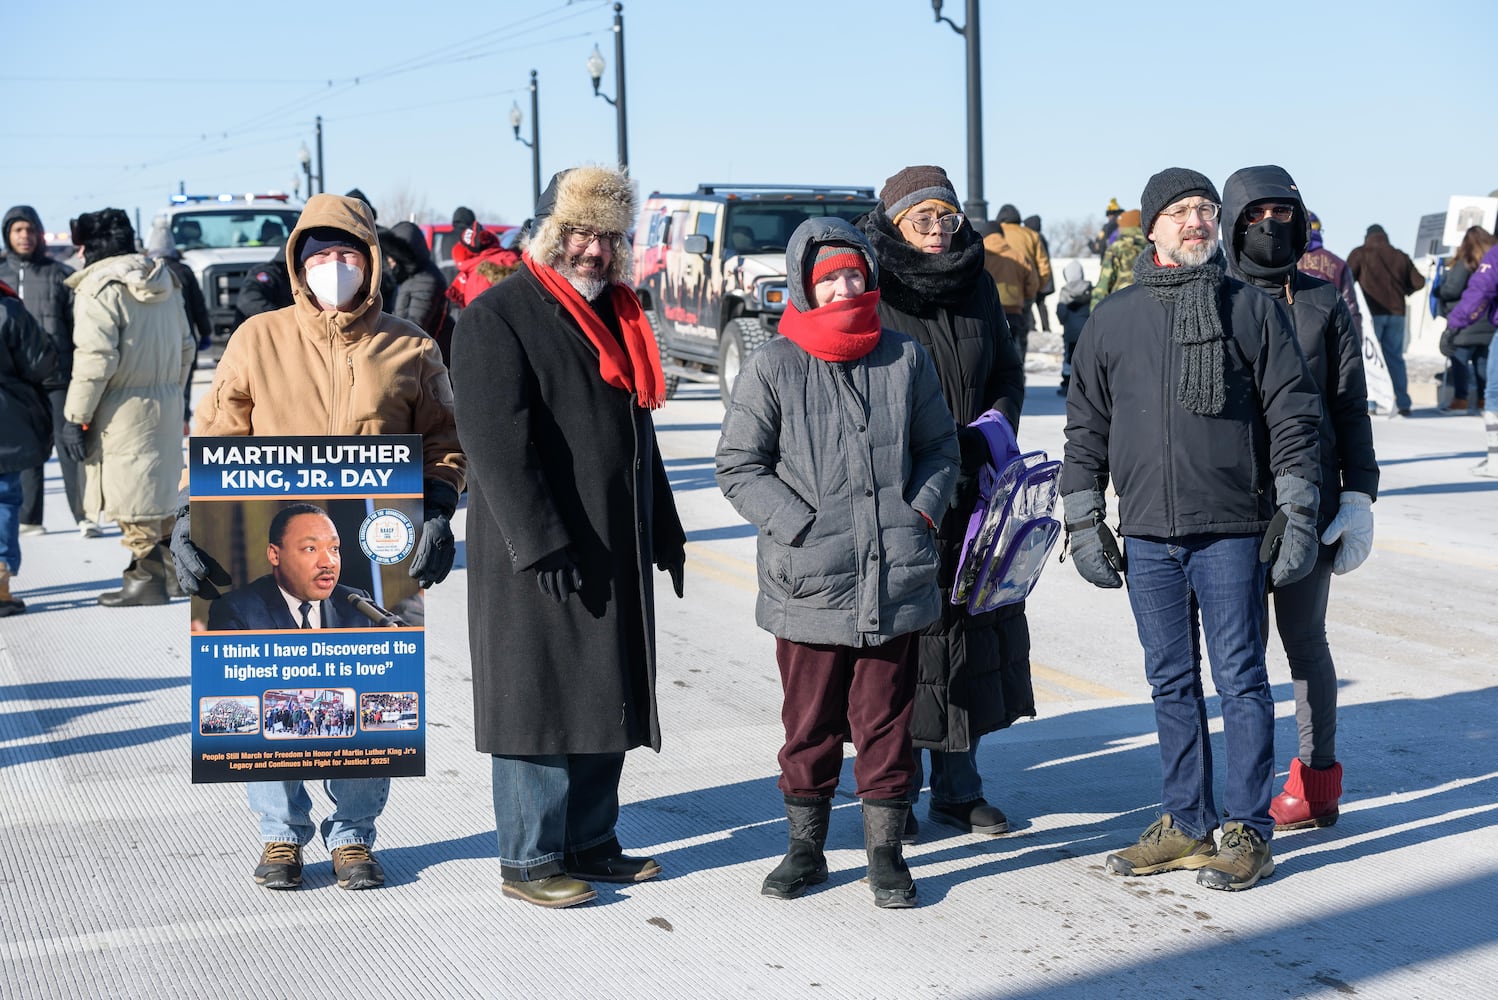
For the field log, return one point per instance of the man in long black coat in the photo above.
(554, 375)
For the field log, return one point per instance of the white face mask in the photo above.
(334, 283)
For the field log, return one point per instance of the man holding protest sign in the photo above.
(333, 363)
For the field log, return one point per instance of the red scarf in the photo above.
(844, 330)
(637, 365)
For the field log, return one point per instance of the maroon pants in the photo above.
(832, 692)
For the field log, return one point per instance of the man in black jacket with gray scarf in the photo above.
(1189, 391)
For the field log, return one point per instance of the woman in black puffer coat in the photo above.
(974, 670)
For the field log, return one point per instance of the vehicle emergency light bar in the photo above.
(182, 199)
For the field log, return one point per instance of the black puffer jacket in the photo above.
(1323, 329)
(38, 280)
(1177, 472)
(974, 671)
(421, 290)
(28, 363)
(1478, 333)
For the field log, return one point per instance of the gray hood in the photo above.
(810, 236)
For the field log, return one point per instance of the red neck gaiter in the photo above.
(844, 330)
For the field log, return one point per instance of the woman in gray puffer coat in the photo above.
(839, 448)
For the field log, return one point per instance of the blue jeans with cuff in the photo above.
(549, 807)
(285, 811)
(1182, 589)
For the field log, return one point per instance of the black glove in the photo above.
(197, 572)
(558, 576)
(676, 565)
(974, 447)
(71, 443)
(1291, 544)
(1094, 550)
(435, 552)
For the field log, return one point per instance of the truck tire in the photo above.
(740, 338)
(673, 382)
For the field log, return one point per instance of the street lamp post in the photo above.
(535, 140)
(322, 178)
(975, 207)
(306, 161)
(595, 70)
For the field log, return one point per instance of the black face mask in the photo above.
(1267, 243)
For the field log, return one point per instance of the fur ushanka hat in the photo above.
(590, 198)
(103, 234)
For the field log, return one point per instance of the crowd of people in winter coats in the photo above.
(851, 442)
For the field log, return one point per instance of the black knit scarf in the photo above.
(916, 282)
(1196, 326)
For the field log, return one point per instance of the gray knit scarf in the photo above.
(1196, 325)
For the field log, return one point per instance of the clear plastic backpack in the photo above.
(1011, 530)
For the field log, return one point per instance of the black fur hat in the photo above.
(103, 234)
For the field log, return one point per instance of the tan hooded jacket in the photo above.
(133, 353)
(303, 371)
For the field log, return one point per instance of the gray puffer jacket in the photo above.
(836, 463)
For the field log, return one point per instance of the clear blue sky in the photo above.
(113, 104)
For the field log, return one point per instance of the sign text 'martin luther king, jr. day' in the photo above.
(308, 639)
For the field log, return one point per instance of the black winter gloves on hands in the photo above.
(1291, 544)
(974, 448)
(198, 573)
(676, 565)
(71, 443)
(1094, 550)
(437, 548)
(558, 576)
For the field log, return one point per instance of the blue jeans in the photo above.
(10, 520)
(285, 810)
(954, 776)
(1390, 333)
(549, 807)
(1179, 590)
(1476, 357)
(1492, 373)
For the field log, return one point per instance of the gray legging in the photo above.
(1300, 615)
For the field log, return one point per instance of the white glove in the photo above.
(1354, 526)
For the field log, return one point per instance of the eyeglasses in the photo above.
(1280, 213)
(924, 224)
(580, 239)
(1206, 211)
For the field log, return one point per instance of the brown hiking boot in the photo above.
(280, 866)
(1161, 848)
(356, 868)
(1242, 860)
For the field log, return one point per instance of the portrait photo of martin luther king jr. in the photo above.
(302, 590)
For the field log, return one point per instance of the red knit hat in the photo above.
(834, 257)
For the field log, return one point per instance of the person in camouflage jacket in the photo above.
(1118, 259)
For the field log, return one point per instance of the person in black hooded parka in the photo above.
(421, 290)
(974, 670)
(1270, 232)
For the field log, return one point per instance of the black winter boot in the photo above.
(804, 863)
(144, 583)
(889, 876)
(169, 567)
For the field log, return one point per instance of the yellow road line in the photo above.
(1059, 678)
(1441, 553)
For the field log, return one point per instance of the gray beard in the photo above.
(588, 288)
(1192, 258)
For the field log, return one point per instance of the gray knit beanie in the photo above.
(1170, 186)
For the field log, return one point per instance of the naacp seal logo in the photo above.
(387, 536)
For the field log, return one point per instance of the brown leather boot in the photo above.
(1309, 799)
(9, 604)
